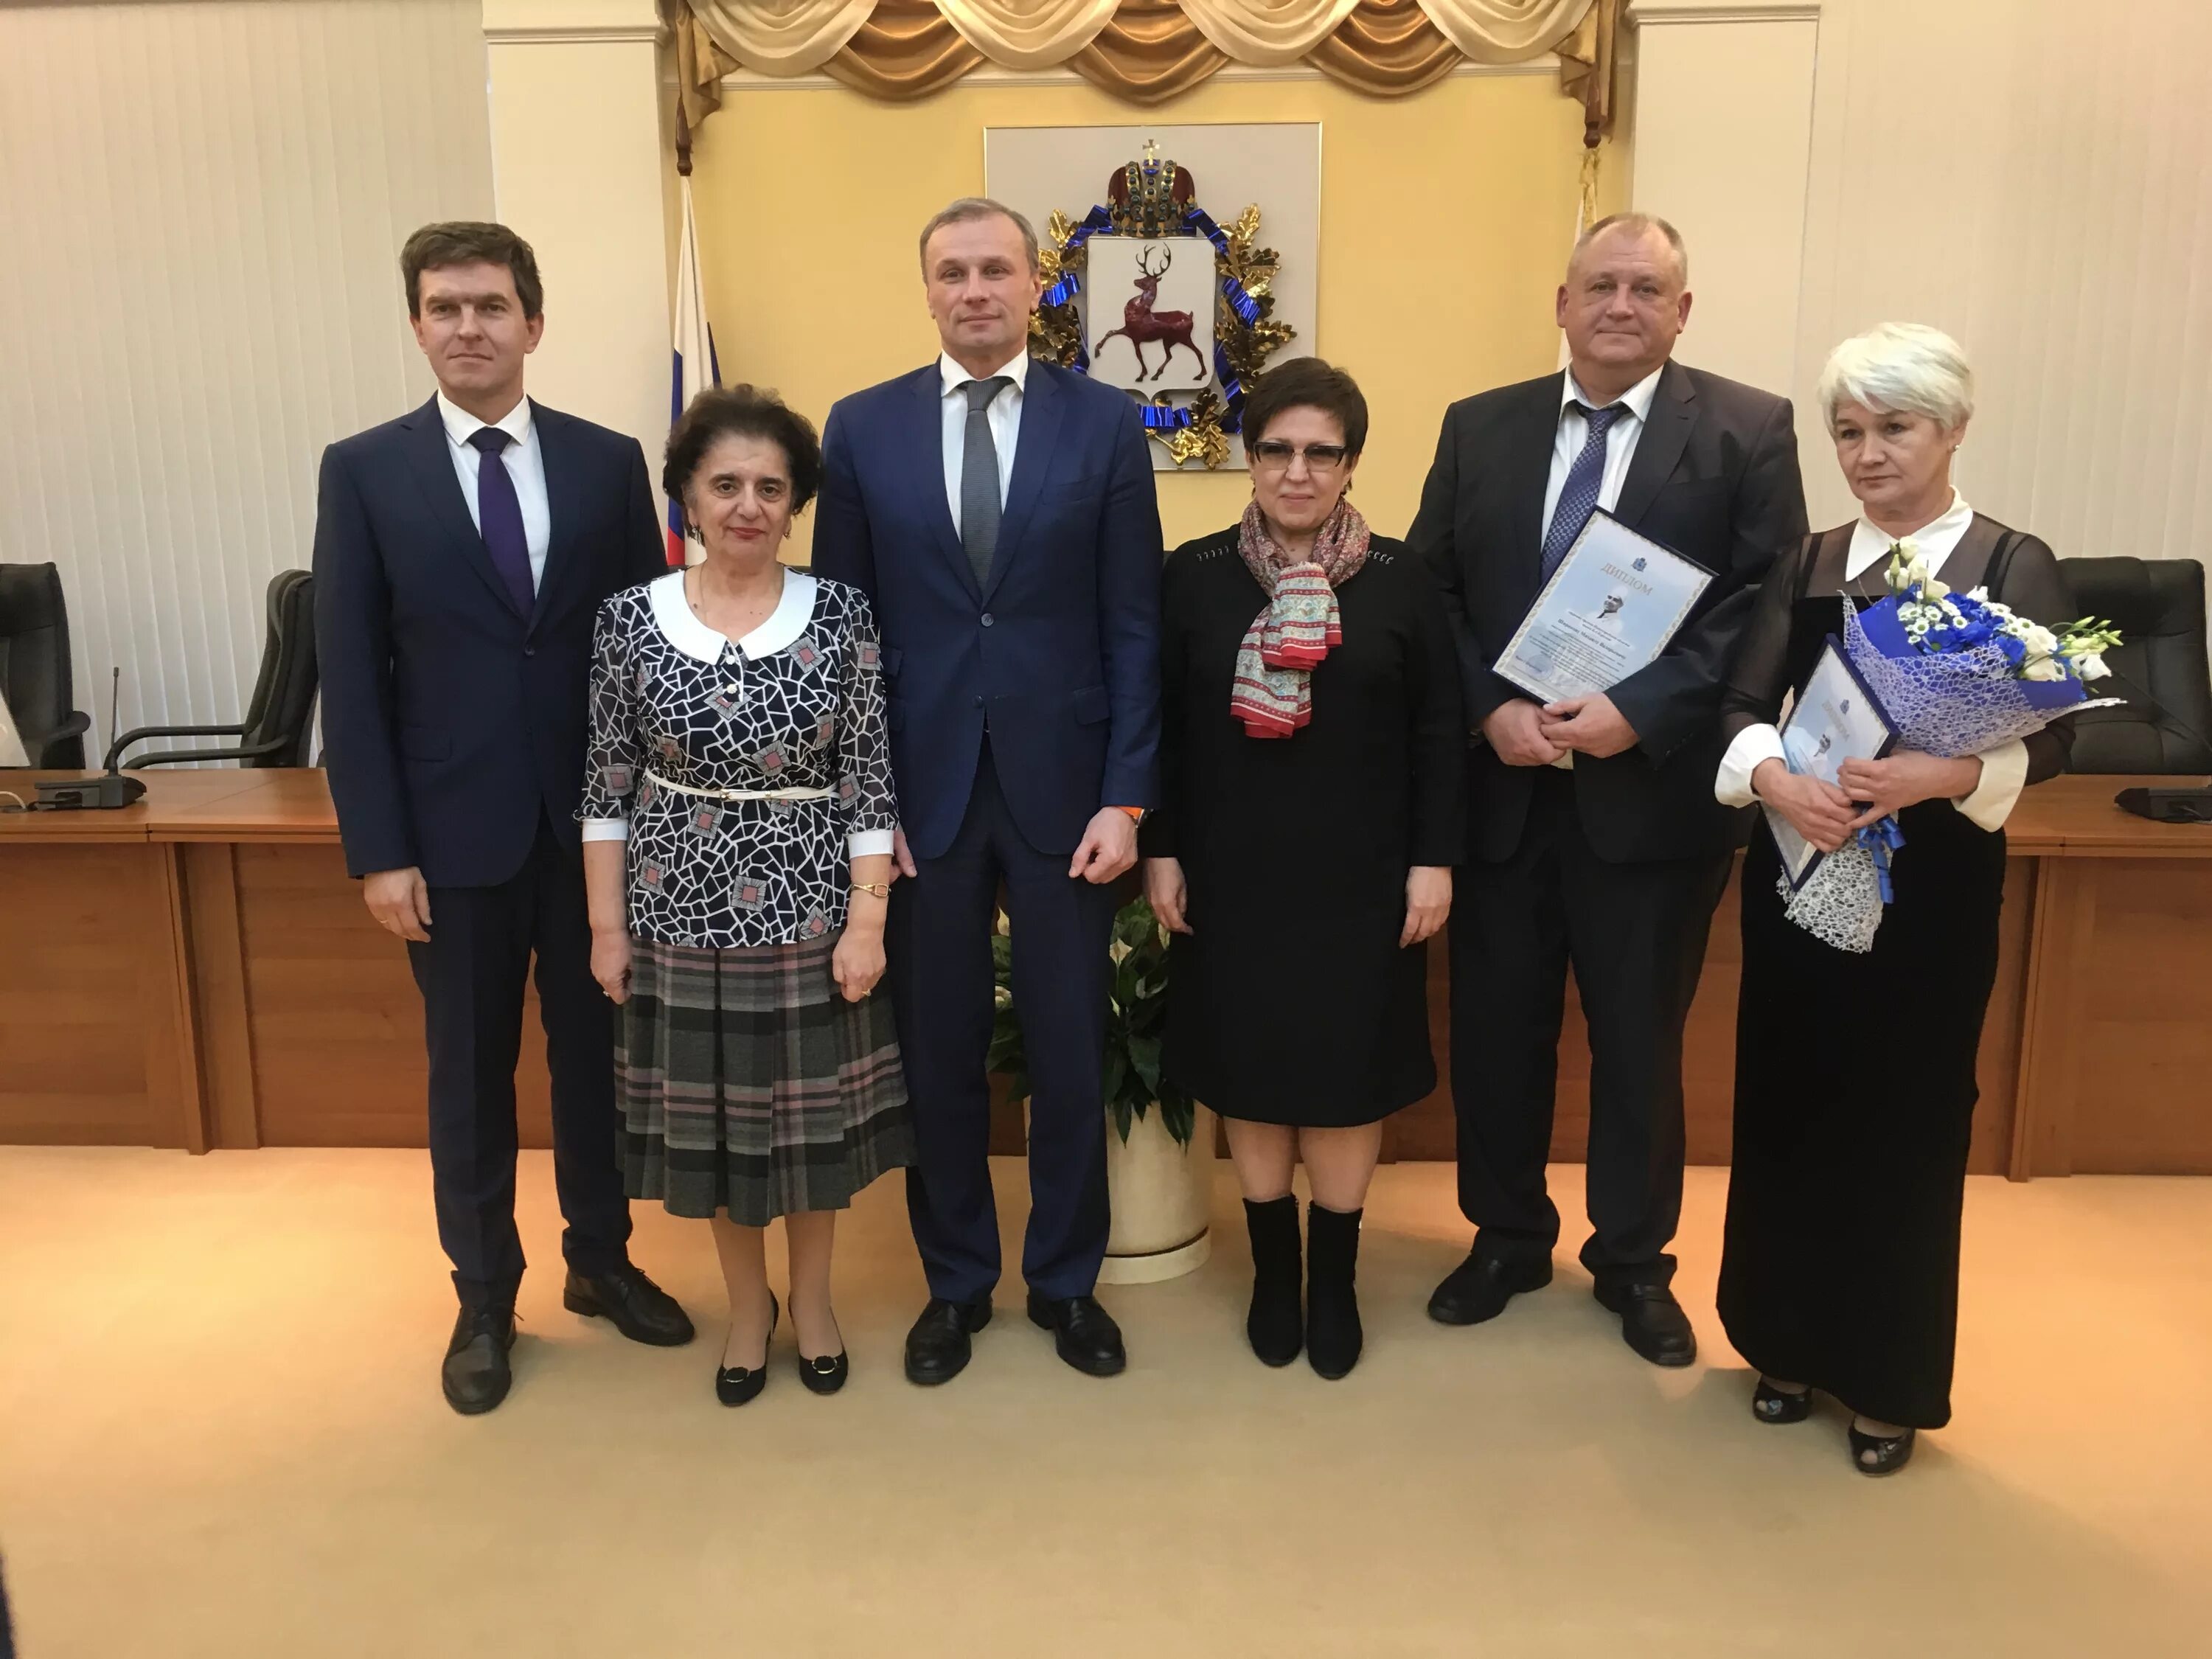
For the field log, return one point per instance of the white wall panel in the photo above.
(201, 209)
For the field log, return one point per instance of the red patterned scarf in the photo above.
(1272, 694)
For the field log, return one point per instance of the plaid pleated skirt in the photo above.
(748, 1083)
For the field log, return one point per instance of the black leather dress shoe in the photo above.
(1771, 1404)
(825, 1373)
(736, 1385)
(1083, 1332)
(640, 1310)
(1651, 1321)
(476, 1375)
(1480, 1286)
(937, 1348)
(1878, 1454)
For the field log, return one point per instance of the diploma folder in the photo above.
(1836, 719)
(1611, 608)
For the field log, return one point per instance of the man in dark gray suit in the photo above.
(1595, 838)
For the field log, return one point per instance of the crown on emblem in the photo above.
(1639, 564)
(1148, 197)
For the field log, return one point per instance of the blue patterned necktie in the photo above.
(498, 516)
(980, 506)
(1578, 495)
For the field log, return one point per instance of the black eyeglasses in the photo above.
(1275, 454)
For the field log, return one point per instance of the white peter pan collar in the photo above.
(683, 629)
(1934, 541)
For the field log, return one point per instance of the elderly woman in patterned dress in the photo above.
(738, 823)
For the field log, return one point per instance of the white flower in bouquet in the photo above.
(1909, 566)
(2090, 665)
(2045, 668)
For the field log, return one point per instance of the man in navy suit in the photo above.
(461, 553)
(1000, 512)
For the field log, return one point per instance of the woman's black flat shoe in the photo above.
(1771, 1404)
(735, 1385)
(1879, 1454)
(825, 1373)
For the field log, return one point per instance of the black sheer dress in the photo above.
(1840, 1267)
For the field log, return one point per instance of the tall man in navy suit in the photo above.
(1000, 512)
(461, 553)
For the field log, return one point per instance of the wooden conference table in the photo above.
(197, 971)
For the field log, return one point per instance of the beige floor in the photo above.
(220, 1434)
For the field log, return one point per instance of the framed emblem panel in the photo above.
(1179, 261)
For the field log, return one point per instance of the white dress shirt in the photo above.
(525, 464)
(1619, 439)
(2004, 768)
(1005, 415)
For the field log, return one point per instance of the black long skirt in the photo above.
(1855, 1096)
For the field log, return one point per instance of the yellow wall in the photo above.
(1445, 221)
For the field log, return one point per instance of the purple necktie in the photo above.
(499, 515)
(1585, 481)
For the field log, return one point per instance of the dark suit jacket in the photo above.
(453, 722)
(1057, 649)
(1714, 477)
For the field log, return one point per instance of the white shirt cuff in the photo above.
(606, 828)
(869, 844)
(2005, 774)
(1754, 747)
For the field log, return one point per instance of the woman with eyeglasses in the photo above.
(1313, 780)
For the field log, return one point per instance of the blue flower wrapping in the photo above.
(1962, 699)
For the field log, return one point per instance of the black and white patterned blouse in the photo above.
(795, 706)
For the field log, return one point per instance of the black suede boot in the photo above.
(1333, 1333)
(1275, 1325)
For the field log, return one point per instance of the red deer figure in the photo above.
(1141, 325)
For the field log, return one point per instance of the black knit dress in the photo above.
(1292, 1002)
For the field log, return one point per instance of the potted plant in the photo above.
(1158, 1165)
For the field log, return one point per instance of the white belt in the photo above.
(793, 793)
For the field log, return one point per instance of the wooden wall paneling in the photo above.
(2142, 1100)
(2043, 1100)
(1428, 1130)
(336, 1020)
(219, 999)
(173, 1072)
(1998, 1065)
(78, 924)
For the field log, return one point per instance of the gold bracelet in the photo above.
(881, 890)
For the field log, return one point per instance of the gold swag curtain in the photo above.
(1144, 51)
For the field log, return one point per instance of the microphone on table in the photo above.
(2176, 805)
(108, 792)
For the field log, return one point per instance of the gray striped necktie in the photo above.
(980, 506)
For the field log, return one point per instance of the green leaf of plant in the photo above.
(1145, 1059)
(1117, 1072)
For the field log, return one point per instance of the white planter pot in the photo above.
(1162, 1196)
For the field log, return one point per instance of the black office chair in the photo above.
(34, 666)
(279, 719)
(2165, 726)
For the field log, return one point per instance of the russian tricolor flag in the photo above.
(695, 367)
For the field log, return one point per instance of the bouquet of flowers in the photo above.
(1957, 674)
